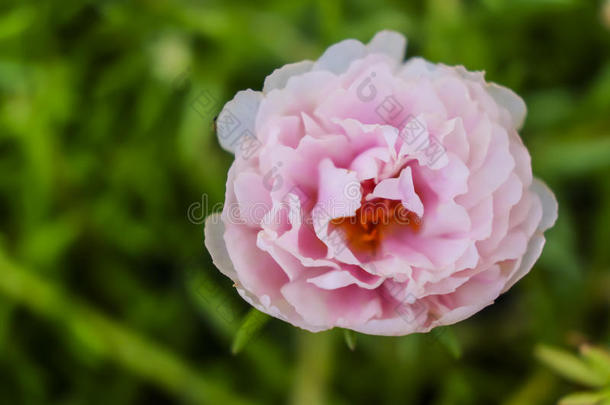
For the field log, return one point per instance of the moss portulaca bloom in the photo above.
(383, 196)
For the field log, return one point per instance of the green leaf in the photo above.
(586, 398)
(350, 338)
(250, 327)
(445, 336)
(569, 366)
(598, 358)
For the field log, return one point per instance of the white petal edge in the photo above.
(415, 67)
(339, 56)
(536, 243)
(279, 77)
(508, 99)
(237, 119)
(214, 231)
(549, 204)
(390, 43)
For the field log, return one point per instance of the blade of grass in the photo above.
(251, 326)
(110, 339)
(586, 398)
(569, 366)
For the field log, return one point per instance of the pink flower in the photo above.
(376, 195)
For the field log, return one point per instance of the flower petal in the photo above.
(214, 231)
(511, 101)
(549, 204)
(401, 189)
(338, 57)
(391, 43)
(237, 119)
(279, 77)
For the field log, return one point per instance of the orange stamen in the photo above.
(364, 231)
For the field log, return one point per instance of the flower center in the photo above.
(365, 230)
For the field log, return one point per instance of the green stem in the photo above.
(313, 369)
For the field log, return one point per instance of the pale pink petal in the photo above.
(338, 57)
(391, 43)
(279, 77)
(253, 197)
(401, 189)
(237, 119)
(549, 204)
(215, 243)
(510, 101)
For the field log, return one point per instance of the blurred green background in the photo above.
(107, 295)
